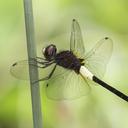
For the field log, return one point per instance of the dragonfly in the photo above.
(68, 73)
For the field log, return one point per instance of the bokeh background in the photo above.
(98, 18)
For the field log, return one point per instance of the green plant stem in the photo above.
(33, 72)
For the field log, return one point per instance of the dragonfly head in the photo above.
(49, 52)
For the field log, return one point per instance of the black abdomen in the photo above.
(68, 60)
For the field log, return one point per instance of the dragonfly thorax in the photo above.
(68, 60)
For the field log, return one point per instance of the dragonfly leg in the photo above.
(41, 61)
(49, 62)
(45, 60)
(45, 65)
(47, 77)
(40, 58)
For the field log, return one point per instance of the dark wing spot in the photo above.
(14, 64)
(106, 38)
(74, 20)
(47, 85)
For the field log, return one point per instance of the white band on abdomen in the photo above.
(86, 73)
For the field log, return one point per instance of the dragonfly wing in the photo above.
(76, 39)
(66, 85)
(20, 69)
(97, 58)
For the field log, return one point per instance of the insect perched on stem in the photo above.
(72, 69)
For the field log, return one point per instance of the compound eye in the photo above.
(49, 52)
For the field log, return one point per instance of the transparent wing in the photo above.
(76, 40)
(67, 85)
(97, 58)
(64, 84)
(20, 70)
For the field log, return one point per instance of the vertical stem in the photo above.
(33, 72)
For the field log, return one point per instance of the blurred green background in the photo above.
(98, 18)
